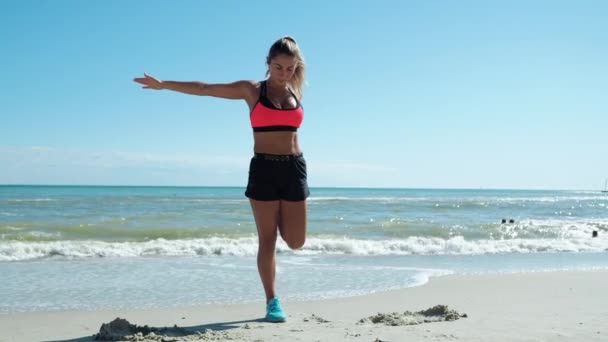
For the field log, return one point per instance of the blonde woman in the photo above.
(277, 186)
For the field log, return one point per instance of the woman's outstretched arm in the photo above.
(235, 90)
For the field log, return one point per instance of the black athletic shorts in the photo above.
(275, 177)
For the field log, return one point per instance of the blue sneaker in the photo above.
(274, 311)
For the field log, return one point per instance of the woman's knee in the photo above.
(267, 242)
(295, 243)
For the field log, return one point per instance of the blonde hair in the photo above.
(288, 46)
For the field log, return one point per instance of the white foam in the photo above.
(573, 228)
(17, 250)
(17, 200)
(4, 213)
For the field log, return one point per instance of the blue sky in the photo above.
(415, 94)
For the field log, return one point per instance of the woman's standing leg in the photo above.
(266, 214)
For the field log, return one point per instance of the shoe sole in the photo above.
(276, 320)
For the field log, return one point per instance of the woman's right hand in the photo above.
(149, 82)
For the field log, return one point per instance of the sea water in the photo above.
(97, 247)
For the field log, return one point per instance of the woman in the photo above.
(277, 187)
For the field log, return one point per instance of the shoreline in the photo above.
(555, 306)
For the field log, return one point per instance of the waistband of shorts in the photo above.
(277, 157)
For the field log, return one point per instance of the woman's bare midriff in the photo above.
(276, 143)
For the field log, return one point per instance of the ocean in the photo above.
(106, 247)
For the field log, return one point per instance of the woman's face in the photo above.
(282, 68)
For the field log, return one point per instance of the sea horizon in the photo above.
(311, 187)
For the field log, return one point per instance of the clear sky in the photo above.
(415, 94)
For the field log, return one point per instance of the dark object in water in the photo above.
(594, 234)
(511, 221)
(503, 221)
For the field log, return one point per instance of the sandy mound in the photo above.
(121, 330)
(438, 313)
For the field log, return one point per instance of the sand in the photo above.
(543, 306)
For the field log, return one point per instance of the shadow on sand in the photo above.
(124, 328)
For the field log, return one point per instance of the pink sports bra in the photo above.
(265, 117)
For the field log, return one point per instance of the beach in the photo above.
(538, 306)
(403, 171)
(179, 263)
